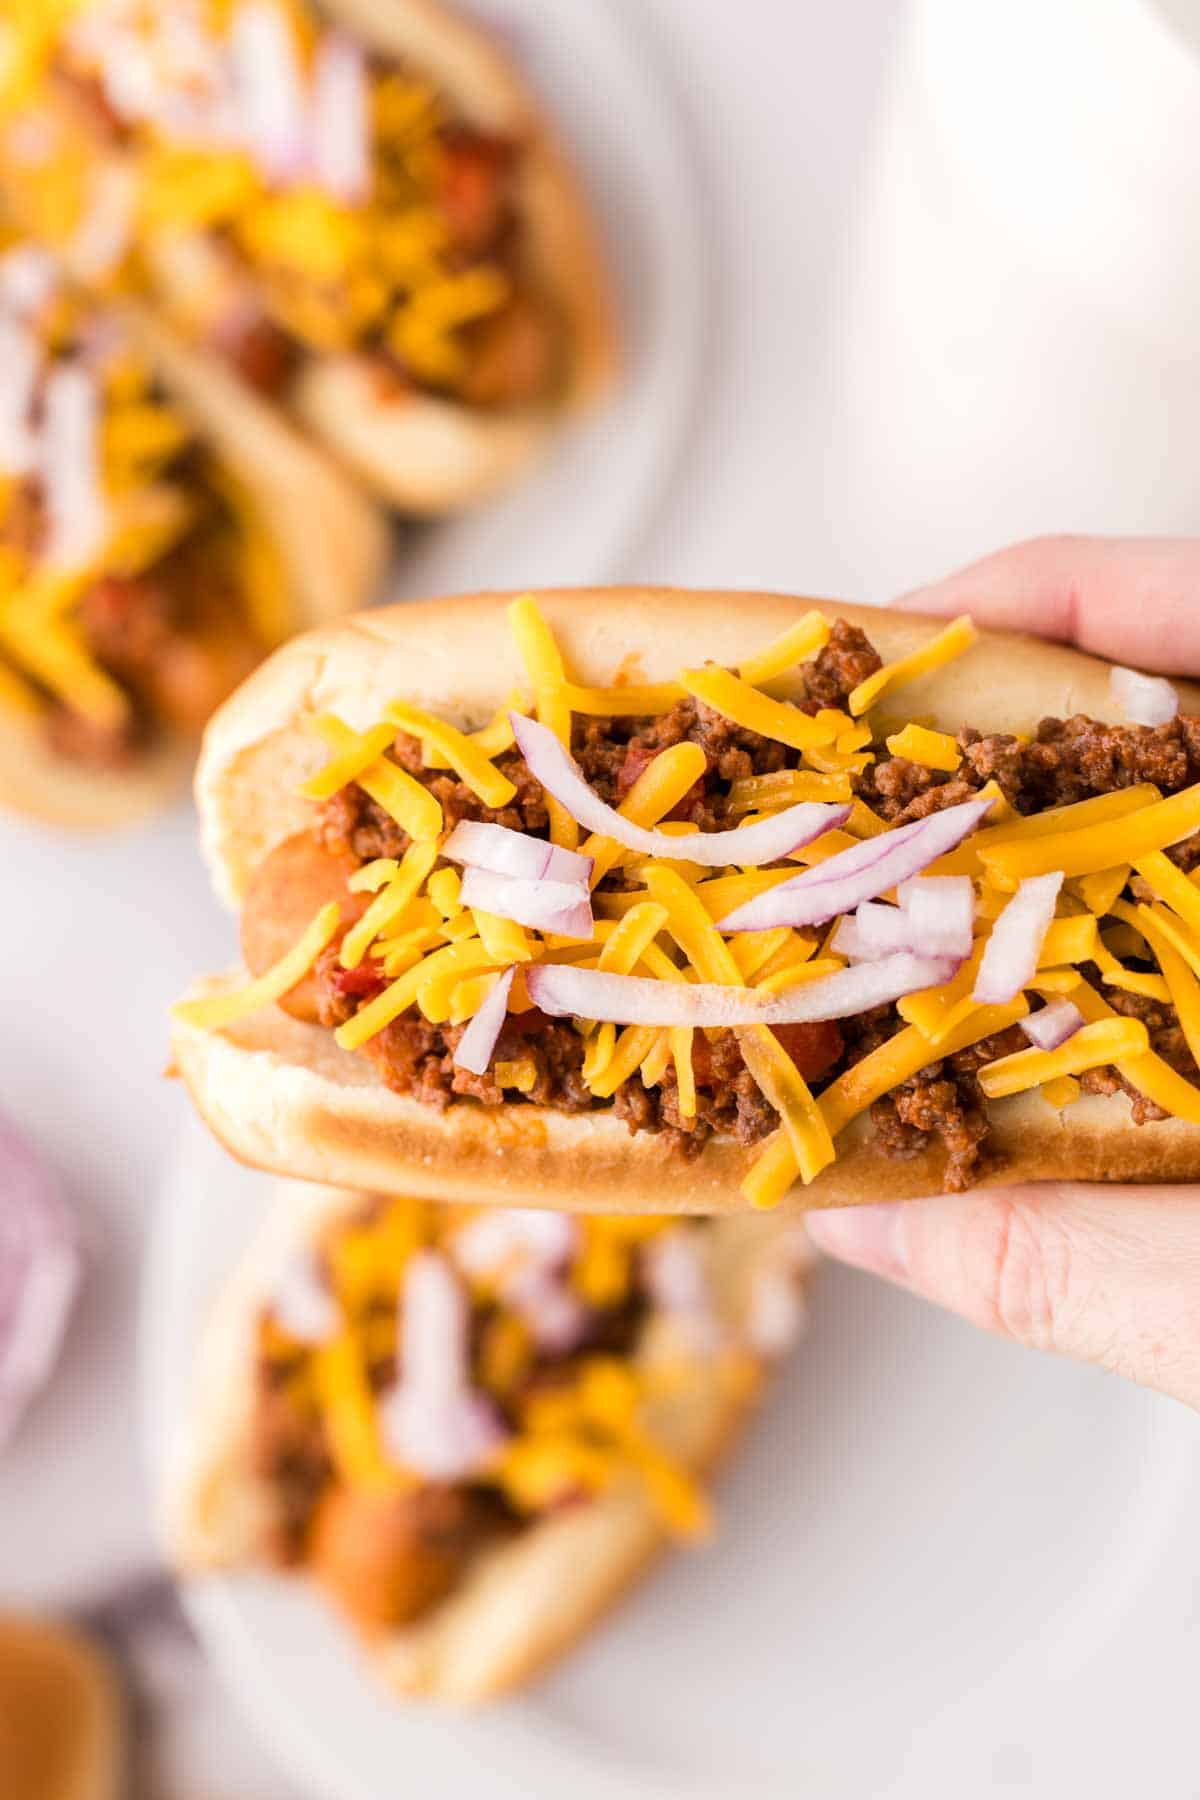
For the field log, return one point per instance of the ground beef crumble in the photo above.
(1065, 761)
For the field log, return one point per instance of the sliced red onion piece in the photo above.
(433, 1421)
(567, 992)
(40, 1268)
(28, 279)
(477, 1045)
(556, 1317)
(766, 842)
(20, 359)
(1052, 1025)
(340, 119)
(1011, 957)
(302, 1302)
(777, 1311)
(942, 911)
(873, 930)
(542, 905)
(862, 872)
(506, 852)
(1144, 699)
(678, 1283)
(269, 88)
(70, 459)
(487, 1244)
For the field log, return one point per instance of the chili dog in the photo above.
(355, 209)
(152, 550)
(471, 1430)
(821, 899)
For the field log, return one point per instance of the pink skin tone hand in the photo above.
(1110, 1275)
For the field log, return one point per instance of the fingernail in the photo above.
(866, 1237)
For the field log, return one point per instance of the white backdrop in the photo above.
(918, 349)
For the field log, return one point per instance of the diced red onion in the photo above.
(269, 87)
(553, 906)
(765, 842)
(433, 1421)
(557, 1318)
(103, 235)
(40, 1268)
(942, 911)
(70, 459)
(862, 872)
(1052, 1025)
(487, 1244)
(477, 1045)
(678, 1283)
(567, 992)
(1011, 957)
(340, 119)
(1144, 699)
(873, 930)
(507, 852)
(302, 1302)
(21, 360)
(777, 1312)
(28, 278)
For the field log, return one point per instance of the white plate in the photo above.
(583, 512)
(940, 1566)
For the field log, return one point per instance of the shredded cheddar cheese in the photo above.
(216, 1010)
(958, 636)
(661, 919)
(796, 645)
(933, 749)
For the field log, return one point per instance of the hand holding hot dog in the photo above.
(1110, 1275)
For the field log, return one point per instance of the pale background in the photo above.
(953, 256)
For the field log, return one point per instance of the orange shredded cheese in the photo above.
(1095, 847)
(213, 1011)
(795, 645)
(462, 755)
(958, 636)
(401, 796)
(755, 711)
(932, 749)
(1106, 1041)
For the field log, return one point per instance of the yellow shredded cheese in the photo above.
(486, 781)
(932, 749)
(661, 785)
(1099, 891)
(213, 1011)
(789, 787)
(544, 665)
(390, 903)
(755, 711)
(623, 702)
(1095, 847)
(360, 751)
(1171, 885)
(493, 739)
(400, 794)
(795, 645)
(503, 939)
(1092, 1046)
(351, 1421)
(681, 1039)
(904, 1056)
(1061, 1091)
(958, 636)
(521, 1074)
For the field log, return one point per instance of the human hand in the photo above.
(1110, 1275)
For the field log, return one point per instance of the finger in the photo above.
(1134, 600)
(1108, 1275)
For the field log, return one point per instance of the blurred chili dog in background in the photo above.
(155, 543)
(473, 1429)
(627, 899)
(355, 209)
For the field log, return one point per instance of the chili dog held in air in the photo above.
(353, 206)
(701, 898)
(473, 1429)
(152, 550)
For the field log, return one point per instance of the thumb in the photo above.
(1110, 1275)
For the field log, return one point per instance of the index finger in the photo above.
(1133, 600)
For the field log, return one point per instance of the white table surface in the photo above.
(898, 382)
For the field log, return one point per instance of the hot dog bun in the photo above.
(280, 1094)
(521, 1605)
(61, 1726)
(427, 455)
(331, 540)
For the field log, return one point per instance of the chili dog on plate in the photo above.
(155, 543)
(473, 1429)
(644, 898)
(354, 207)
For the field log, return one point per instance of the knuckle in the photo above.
(1025, 1274)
